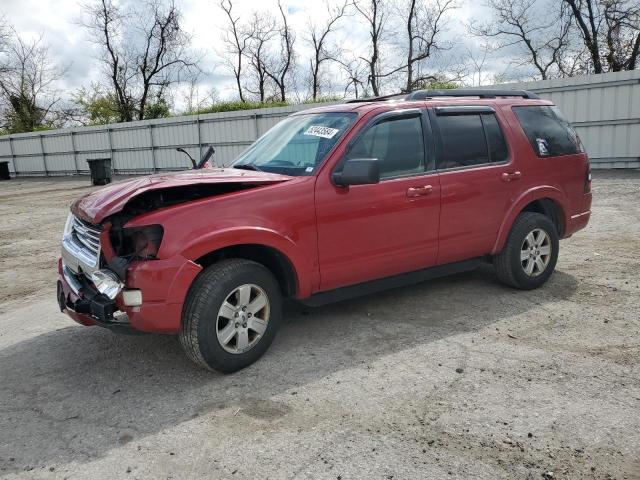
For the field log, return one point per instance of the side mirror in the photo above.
(358, 171)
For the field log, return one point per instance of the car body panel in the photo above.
(335, 236)
(99, 204)
(282, 219)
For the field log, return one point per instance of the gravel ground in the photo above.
(455, 378)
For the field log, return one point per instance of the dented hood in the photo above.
(99, 204)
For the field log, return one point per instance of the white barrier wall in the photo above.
(605, 109)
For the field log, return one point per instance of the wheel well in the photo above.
(271, 258)
(551, 209)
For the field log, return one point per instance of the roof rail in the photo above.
(465, 92)
(377, 99)
(453, 92)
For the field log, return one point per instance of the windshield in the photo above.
(296, 145)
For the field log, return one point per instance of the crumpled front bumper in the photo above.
(164, 285)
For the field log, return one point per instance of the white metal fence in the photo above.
(139, 147)
(605, 110)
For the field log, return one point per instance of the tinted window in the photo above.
(498, 151)
(463, 141)
(397, 143)
(548, 132)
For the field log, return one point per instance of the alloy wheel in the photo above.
(242, 318)
(535, 252)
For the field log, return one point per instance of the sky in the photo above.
(57, 22)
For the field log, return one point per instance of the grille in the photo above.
(87, 237)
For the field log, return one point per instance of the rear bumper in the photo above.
(580, 220)
(577, 222)
(164, 285)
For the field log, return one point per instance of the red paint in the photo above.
(335, 236)
(99, 204)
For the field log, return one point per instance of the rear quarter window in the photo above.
(549, 133)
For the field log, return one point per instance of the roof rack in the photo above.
(377, 99)
(453, 92)
(466, 92)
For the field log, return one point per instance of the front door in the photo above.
(373, 231)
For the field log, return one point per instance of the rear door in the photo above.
(373, 231)
(477, 179)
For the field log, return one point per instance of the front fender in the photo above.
(536, 193)
(212, 241)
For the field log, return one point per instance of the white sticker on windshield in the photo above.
(320, 131)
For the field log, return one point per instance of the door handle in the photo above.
(508, 177)
(419, 191)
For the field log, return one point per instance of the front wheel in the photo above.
(531, 252)
(231, 315)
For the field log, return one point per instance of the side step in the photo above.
(401, 280)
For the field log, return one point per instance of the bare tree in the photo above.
(28, 93)
(540, 30)
(4, 43)
(356, 73)
(144, 52)
(196, 99)
(4, 34)
(280, 69)
(425, 23)
(105, 25)
(610, 30)
(165, 57)
(263, 29)
(319, 40)
(237, 39)
(376, 16)
(478, 62)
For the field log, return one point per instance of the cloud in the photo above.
(57, 22)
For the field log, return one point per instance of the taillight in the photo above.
(587, 180)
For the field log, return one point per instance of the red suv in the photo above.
(330, 203)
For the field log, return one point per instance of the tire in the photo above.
(513, 267)
(203, 326)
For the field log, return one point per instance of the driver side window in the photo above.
(397, 143)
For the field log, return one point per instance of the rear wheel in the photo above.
(531, 252)
(231, 315)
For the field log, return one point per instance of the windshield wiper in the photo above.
(247, 166)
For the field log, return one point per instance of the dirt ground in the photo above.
(456, 378)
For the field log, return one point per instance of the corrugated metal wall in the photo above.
(139, 147)
(604, 108)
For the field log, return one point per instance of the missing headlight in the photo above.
(137, 243)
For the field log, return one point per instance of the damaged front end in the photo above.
(93, 268)
(111, 273)
(85, 288)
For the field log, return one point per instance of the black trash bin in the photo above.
(100, 170)
(4, 171)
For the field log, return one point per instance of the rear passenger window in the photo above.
(471, 139)
(548, 132)
(396, 142)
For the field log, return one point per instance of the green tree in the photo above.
(98, 107)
